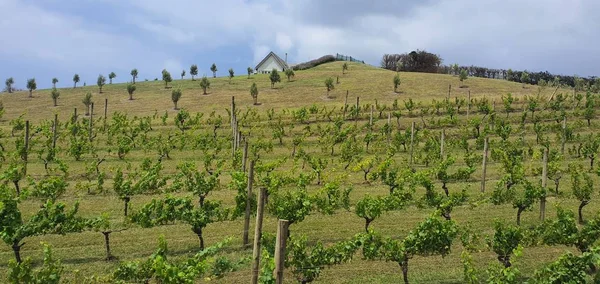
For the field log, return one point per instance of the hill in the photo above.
(307, 88)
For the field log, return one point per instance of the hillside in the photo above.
(320, 169)
(367, 82)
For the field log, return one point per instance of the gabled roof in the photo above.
(277, 59)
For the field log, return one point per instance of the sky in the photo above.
(44, 39)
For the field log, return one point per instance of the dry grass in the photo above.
(84, 252)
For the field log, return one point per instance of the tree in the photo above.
(134, 74)
(254, 93)
(194, 71)
(590, 148)
(583, 187)
(130, 89)
(166, 76)
(274, 77)
(52, 218)
(124, 189)
(161, 212)
(31, 86)
(289, 73)
(182, 74)
(9, 82)
(55, 94)
(463, 76)
(250, 71)
(101, 82)
(204, 84)
(54, 81)
(396, 82)
(198, 183)
(213, 68)
(291, 205)
(50, 272)
(111, 76)
(231, 73)
(75, 80)
(87, 101)
(329, 85)
(524, 78)
(505, 241)
(175, 96)
(308, 262)
(344, 68)
(369, 208)
(431, 237)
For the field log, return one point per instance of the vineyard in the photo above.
(439, 181)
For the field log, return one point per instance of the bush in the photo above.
(314, 63)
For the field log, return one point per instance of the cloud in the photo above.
(283, 41)
(58, 38)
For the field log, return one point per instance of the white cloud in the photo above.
(283, 41)
(535, 34)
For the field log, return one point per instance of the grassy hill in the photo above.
(83, 253)
(305, 89)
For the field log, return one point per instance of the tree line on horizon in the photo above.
(426, 62)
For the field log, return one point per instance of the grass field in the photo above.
(83, 253)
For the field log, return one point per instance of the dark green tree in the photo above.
(134, 75)
(101, 82)
(75, 80)
(31, 86)
(194, 71)
(175, 96)
(166, 77)
(130, 90)
(8, 83)
(214, 69)
(111, 76)
(54, 94)
(254, 93)
(274, 77)
(204, 84)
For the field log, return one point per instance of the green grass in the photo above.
(84, 252)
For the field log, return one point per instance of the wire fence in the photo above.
(341, 57)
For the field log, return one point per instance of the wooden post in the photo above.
(442, 138)
(282, 228)
(233, 125)
(105, 112)
(412, 140)
(54, 131)
(468, 104)
(357, 108)
(345, 105)
(371, 117)
(248, 204)
(26, 142)
(544, 183)
(74, 115)
(258, 234)
(245, 155)
(449, 89)
(564, 135)
(91, 121)
(485, 154)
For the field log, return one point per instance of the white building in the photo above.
(270, 62)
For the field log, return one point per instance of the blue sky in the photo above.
(58, 38)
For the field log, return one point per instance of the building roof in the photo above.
(277, 59)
